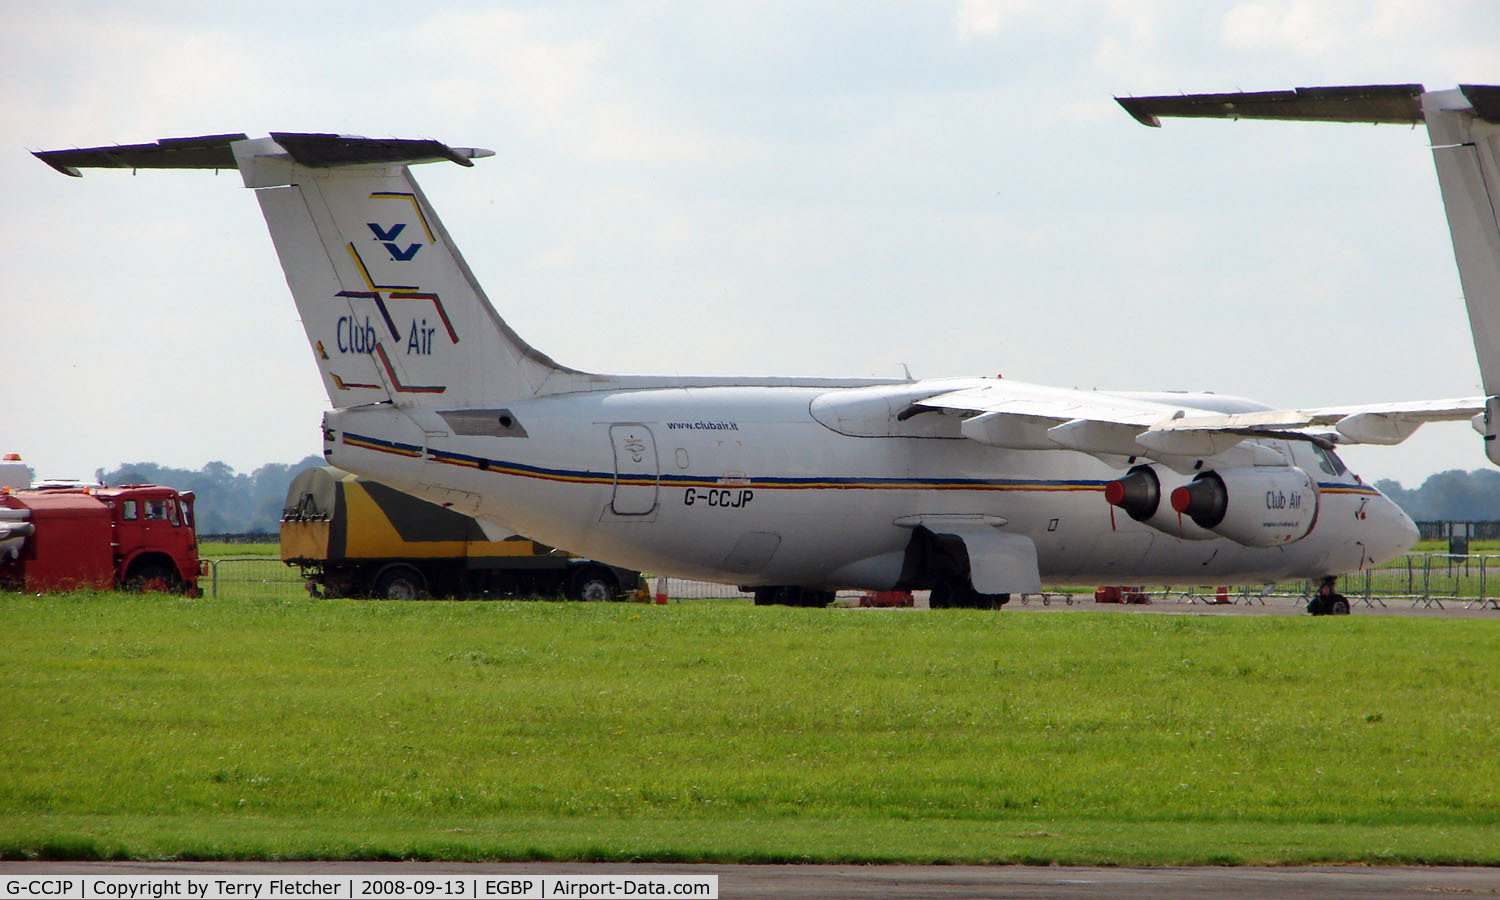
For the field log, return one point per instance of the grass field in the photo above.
(221, 550)
(154, 726)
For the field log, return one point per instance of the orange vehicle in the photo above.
(137, 537)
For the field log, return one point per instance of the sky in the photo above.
(790, 188)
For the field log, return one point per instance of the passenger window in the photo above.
(156, 510)
(172, 513)
(128, 511)
(187, 514)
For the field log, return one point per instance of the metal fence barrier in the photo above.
(1428, 580)
(263, 576)
(683, 589)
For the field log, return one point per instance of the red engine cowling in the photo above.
(1258, 506)
(1139, 494)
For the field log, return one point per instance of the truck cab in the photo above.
(156, 544)
(138, 537)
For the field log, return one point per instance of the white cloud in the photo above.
(978, 19)
(1369, 40)
(1303, 28)
(561, 89)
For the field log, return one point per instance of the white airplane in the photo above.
(975, 488)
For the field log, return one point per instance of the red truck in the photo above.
(138, 537)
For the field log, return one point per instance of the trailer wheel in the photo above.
(152, 578)
(400, 583)
(593, 584)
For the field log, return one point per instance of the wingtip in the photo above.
(1138, 112)
(70, 171)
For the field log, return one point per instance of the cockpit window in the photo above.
(1329, 461)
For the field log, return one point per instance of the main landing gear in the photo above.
(1327, 602)
(957, 593)
(791, 595)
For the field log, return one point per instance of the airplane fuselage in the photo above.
(815, 486)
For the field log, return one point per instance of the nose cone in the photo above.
(1409, 535)
(1395, 532)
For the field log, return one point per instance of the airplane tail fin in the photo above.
(392, 311)
(1464, 128)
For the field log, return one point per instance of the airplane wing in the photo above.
(1109, 424)
(1374, 423)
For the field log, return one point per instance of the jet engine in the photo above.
(1258, 506)
(1139, 495)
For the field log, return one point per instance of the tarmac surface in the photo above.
(1188, 602)
(1273, 607)
(895, 882)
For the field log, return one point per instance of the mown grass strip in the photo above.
(165, 726)
(787, 840)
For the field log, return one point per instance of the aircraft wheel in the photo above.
(814, 599)
(401, 583)
(792, 596)
(947, 595)
(996, 601)
(1327, 601)
(968, 598)
(941, 597)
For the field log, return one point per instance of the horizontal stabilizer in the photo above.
(1374, 103)
(213, 151)
(210, 151)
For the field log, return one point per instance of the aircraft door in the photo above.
(437, 483)
(636, 473)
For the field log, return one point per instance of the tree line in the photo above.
(227, 502)
(1452, 496)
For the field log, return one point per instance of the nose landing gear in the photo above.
(1328, 602)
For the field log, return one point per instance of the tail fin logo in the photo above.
(387, 237)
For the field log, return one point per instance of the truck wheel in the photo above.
(401, 583)
(593, 585)
(152, 578)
